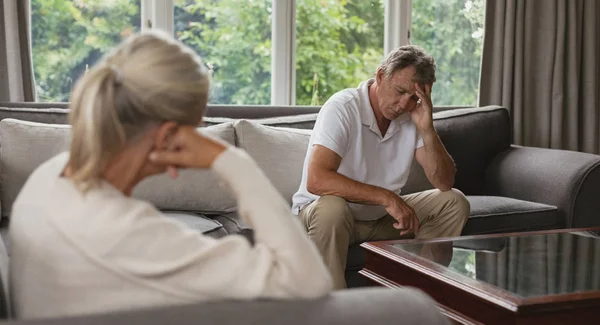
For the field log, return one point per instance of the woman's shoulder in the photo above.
(42, 178)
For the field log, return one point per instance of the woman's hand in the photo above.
(188, 149)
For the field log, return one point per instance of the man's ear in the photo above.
(379, 75)
(164, 135)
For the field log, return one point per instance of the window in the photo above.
(451, 31)
(338, 45)
(262, 52)
(234, 40)
(68, 36)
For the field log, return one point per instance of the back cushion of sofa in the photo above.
(278, 151)
(49, 115)
(473, 136)
(26, 145)
(304, 121)
(23, 147)
(194, 190)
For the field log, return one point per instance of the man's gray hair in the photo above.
(410, 55)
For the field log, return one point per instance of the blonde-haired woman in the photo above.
(81, 244)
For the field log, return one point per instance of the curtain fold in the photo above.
(541, 60)
(16, 69)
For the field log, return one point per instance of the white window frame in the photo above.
(283, 52)
(398, 18)
(159, 14)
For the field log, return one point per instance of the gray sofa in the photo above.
(352, 307)
(358, 306)
(510, 188)
(197, 200)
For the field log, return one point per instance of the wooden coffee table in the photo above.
(543, 277)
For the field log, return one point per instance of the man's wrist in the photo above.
(389, 198)
(428, 133)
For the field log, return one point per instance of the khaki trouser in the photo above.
(331, 226)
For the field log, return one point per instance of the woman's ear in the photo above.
(165, 135)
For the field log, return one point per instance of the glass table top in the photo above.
(527, 265)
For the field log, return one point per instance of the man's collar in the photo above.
(367, 116)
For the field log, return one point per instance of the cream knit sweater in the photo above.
(75, 254)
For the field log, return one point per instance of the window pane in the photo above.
(68, 36)
(338, 44)
(234, 40)
(451, 31)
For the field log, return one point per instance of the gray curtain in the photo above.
(16, 71)
(541, 60)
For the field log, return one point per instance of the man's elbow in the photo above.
(444, 187)
(447, 183)
(314, 184)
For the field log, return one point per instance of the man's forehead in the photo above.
(404, 79)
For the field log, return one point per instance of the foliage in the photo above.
(67, 36)
(338, 42)
(235, 41)
(452, 32)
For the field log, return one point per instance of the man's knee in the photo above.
(330, 212)
(458, 202)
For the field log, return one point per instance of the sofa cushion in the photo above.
(489, 214)
(234, 225)
(194, 190)
(201, 223)
(25, 145)
(495, 214)
(304, 121)
(50, 113)
(279, 152)
(473, 137)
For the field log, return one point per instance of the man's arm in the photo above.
(437, 163)
(323, 179)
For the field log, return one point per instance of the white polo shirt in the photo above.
(346, 125)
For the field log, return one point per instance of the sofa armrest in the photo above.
(569, 180)
(371, 306)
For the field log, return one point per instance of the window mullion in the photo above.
(398, 14)
(283, 71)
(157, 14)
(146, 15)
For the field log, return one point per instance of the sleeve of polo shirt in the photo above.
(332, 128)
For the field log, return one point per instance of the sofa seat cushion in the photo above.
(490, 214)
(233, 225)
(495, 214)
(201, 223)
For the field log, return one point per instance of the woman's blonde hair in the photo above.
(150, 78)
